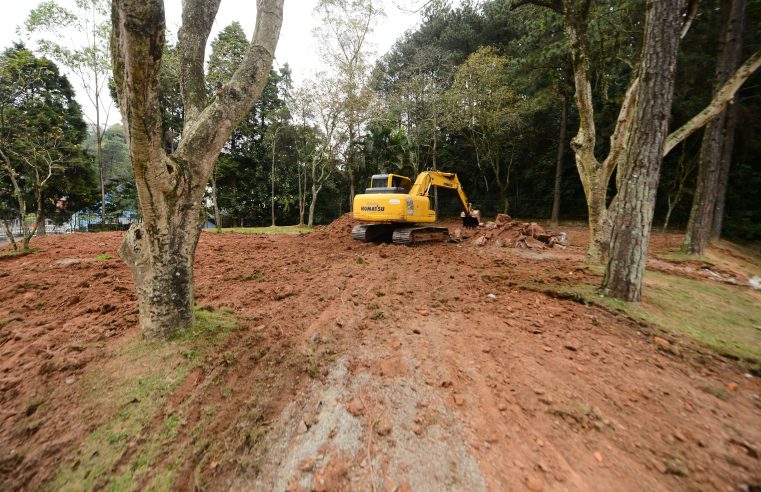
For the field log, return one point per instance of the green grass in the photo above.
(264, 230)
(134, 390)
(725, 318)
(18, 252)
(104, 257)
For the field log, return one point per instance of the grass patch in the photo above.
(104, 257)
(133, 390)
(264, 230)
(725, 318)
(13, 253)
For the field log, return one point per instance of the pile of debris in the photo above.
(505, 232)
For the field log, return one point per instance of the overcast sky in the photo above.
(295, 47)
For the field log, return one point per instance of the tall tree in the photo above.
(160, 252)
(639, 170)
(41, 129)
(342, 34)
(482, 104)
(596, 174)
(555, 215)
(718, 136)
(89, 60)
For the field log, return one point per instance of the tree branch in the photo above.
(197, 21)
(136, 49)
(692, 10)
(206, 134)
(719, 103)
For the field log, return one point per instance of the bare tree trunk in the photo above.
(272, 178)
(632, 216)
(9, 234)
(214, 201)
(726, 164)
(302, 196)
(559, 166)
(160, 251)
(700, 225)
(40, 219)
(313, 204)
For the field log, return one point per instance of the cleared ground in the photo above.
(319, 363)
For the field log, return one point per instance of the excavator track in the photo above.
(417, 235)
(371, 233)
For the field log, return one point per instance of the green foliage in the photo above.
(41, 129)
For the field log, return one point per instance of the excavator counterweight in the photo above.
(396, 208)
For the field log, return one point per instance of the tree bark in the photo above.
(700, 225)
(160, 252)
(215, 202)
(313, 205)
(559, 166)
(632, 216)
(726, 164)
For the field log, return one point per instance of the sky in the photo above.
(295, 47)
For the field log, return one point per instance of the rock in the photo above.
(481, 241)
(302, 429)
(356, 407)
(492, 297)
(572, 345)
(755, 282)
(732, 386)
(499, 243)
(598, 456)
(662, 343)
(68, 261)
(459, 400)
(534, 483)
(502, 407)
(417, 430)
(502, 219)
(457, 234)
(315, 337)
(547, 348)
(490, 225)
(533, 243)
(70, 380)
(384, 426)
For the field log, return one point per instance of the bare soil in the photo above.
(369, 367)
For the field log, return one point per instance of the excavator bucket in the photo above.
(471, 221)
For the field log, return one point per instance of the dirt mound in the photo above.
(498, 385)
(504, 231)
(342, 225)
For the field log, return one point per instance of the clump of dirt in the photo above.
(342, 225)
(504, 231)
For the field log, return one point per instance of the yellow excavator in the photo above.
(394, 208)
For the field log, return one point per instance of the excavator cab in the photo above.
(389, 183)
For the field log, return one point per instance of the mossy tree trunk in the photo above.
(160, 252)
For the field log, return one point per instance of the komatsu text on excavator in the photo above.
(394, 208)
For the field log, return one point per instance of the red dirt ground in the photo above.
(523, 390)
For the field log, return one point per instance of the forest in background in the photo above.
(403, 113)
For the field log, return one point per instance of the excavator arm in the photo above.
(426, 179)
